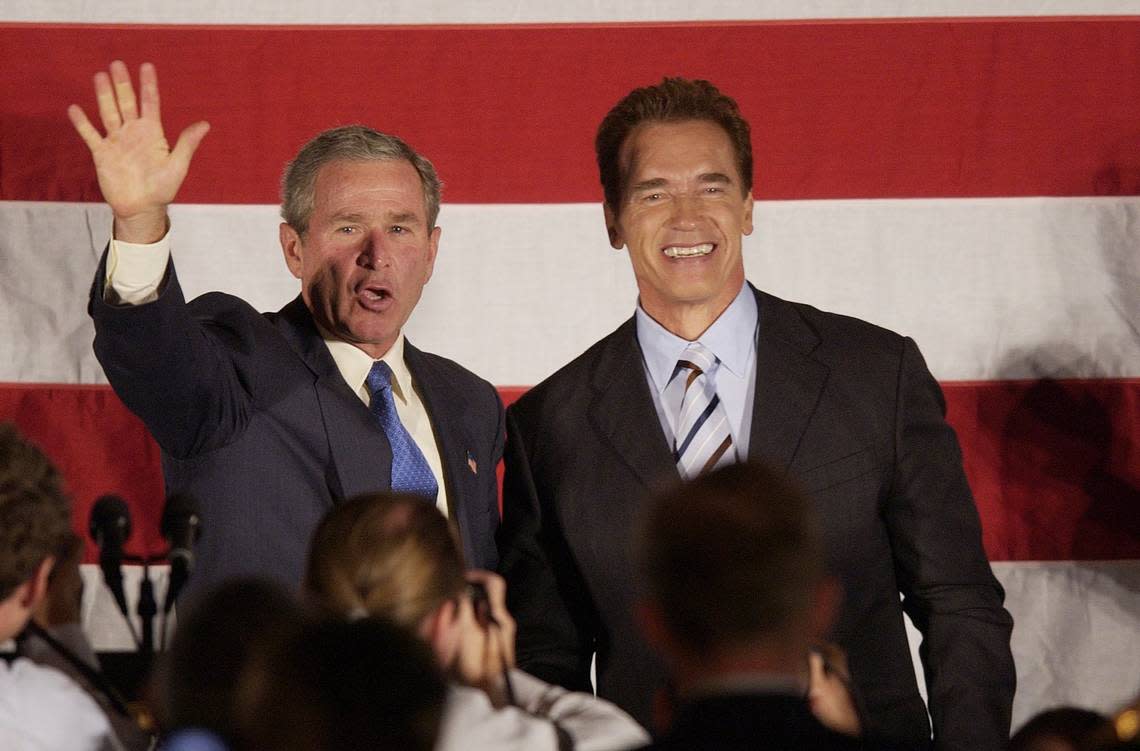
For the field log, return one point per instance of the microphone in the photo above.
(181, 526)
(110, 527)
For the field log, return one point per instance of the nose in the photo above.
(686, 212)
(373, 251)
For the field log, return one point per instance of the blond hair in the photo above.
(384, 554)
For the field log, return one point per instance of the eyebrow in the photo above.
(655, 182)
(401, 217)
(660, 182)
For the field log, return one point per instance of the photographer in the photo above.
(395, 557)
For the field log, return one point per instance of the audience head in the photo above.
(733, 564)
(217, 642)
(392, 556)
(35, 527)
(1057, 729)
(336, 685)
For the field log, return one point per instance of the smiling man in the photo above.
(268, 420)
(709, 371)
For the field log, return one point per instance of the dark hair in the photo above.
(355, 143)
(1071, 725)
(35, 514)
(731, 557)
(364, 684)
(384, 554)
(672, 100)
(219, 638)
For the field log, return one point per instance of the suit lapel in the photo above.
(445, 408)
(623, 411)
(361, 456)
(788, 381)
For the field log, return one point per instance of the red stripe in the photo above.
(100, 447)
(1055, 465)
(847, 109)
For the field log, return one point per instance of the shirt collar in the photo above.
(354, 365)
(731, 337)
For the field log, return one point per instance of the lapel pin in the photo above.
(471, 465)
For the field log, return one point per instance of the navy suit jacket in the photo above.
(852, 413)
(257, 424)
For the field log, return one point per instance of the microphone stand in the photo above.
(146, 608)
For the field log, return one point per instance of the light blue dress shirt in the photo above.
(732, 338)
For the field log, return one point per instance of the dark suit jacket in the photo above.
(256, 423)
(851, 411)
(730, 722)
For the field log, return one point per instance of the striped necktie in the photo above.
(702, 437)
(410, 470)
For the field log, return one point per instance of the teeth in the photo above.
(678, 251)
(375, 295)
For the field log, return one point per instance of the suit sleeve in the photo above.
(545, 592)
(185, 378)
(948, 589)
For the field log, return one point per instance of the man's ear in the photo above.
(616, 241)
(37, 585)
(292, 247)
(433, 250)
(746, 223)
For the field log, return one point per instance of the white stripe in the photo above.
(1076, 627)
(511, 11)
(990, 288)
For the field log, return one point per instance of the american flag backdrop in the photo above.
(966, 173)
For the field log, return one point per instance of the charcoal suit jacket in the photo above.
(851, 411)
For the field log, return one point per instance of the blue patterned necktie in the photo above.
(703, 440)
(410, 470)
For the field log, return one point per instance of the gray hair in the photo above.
(351, 143)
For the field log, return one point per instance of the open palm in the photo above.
(138, 172)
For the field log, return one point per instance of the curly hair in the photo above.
(35, 513)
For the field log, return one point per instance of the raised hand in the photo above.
(138, 172)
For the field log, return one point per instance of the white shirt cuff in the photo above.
(134, 272)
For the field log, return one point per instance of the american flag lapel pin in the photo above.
(471, 464)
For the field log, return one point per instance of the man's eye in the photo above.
(346, 230)
(396, 229)
(714, 189)
(654, 196)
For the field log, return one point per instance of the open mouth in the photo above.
(689, 251)
(374, 297)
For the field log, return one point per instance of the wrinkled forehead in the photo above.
(358, 184)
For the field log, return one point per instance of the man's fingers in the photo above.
(148, 92)
(188, 142)
(105, 99)
(84, 127)
(124, 90)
